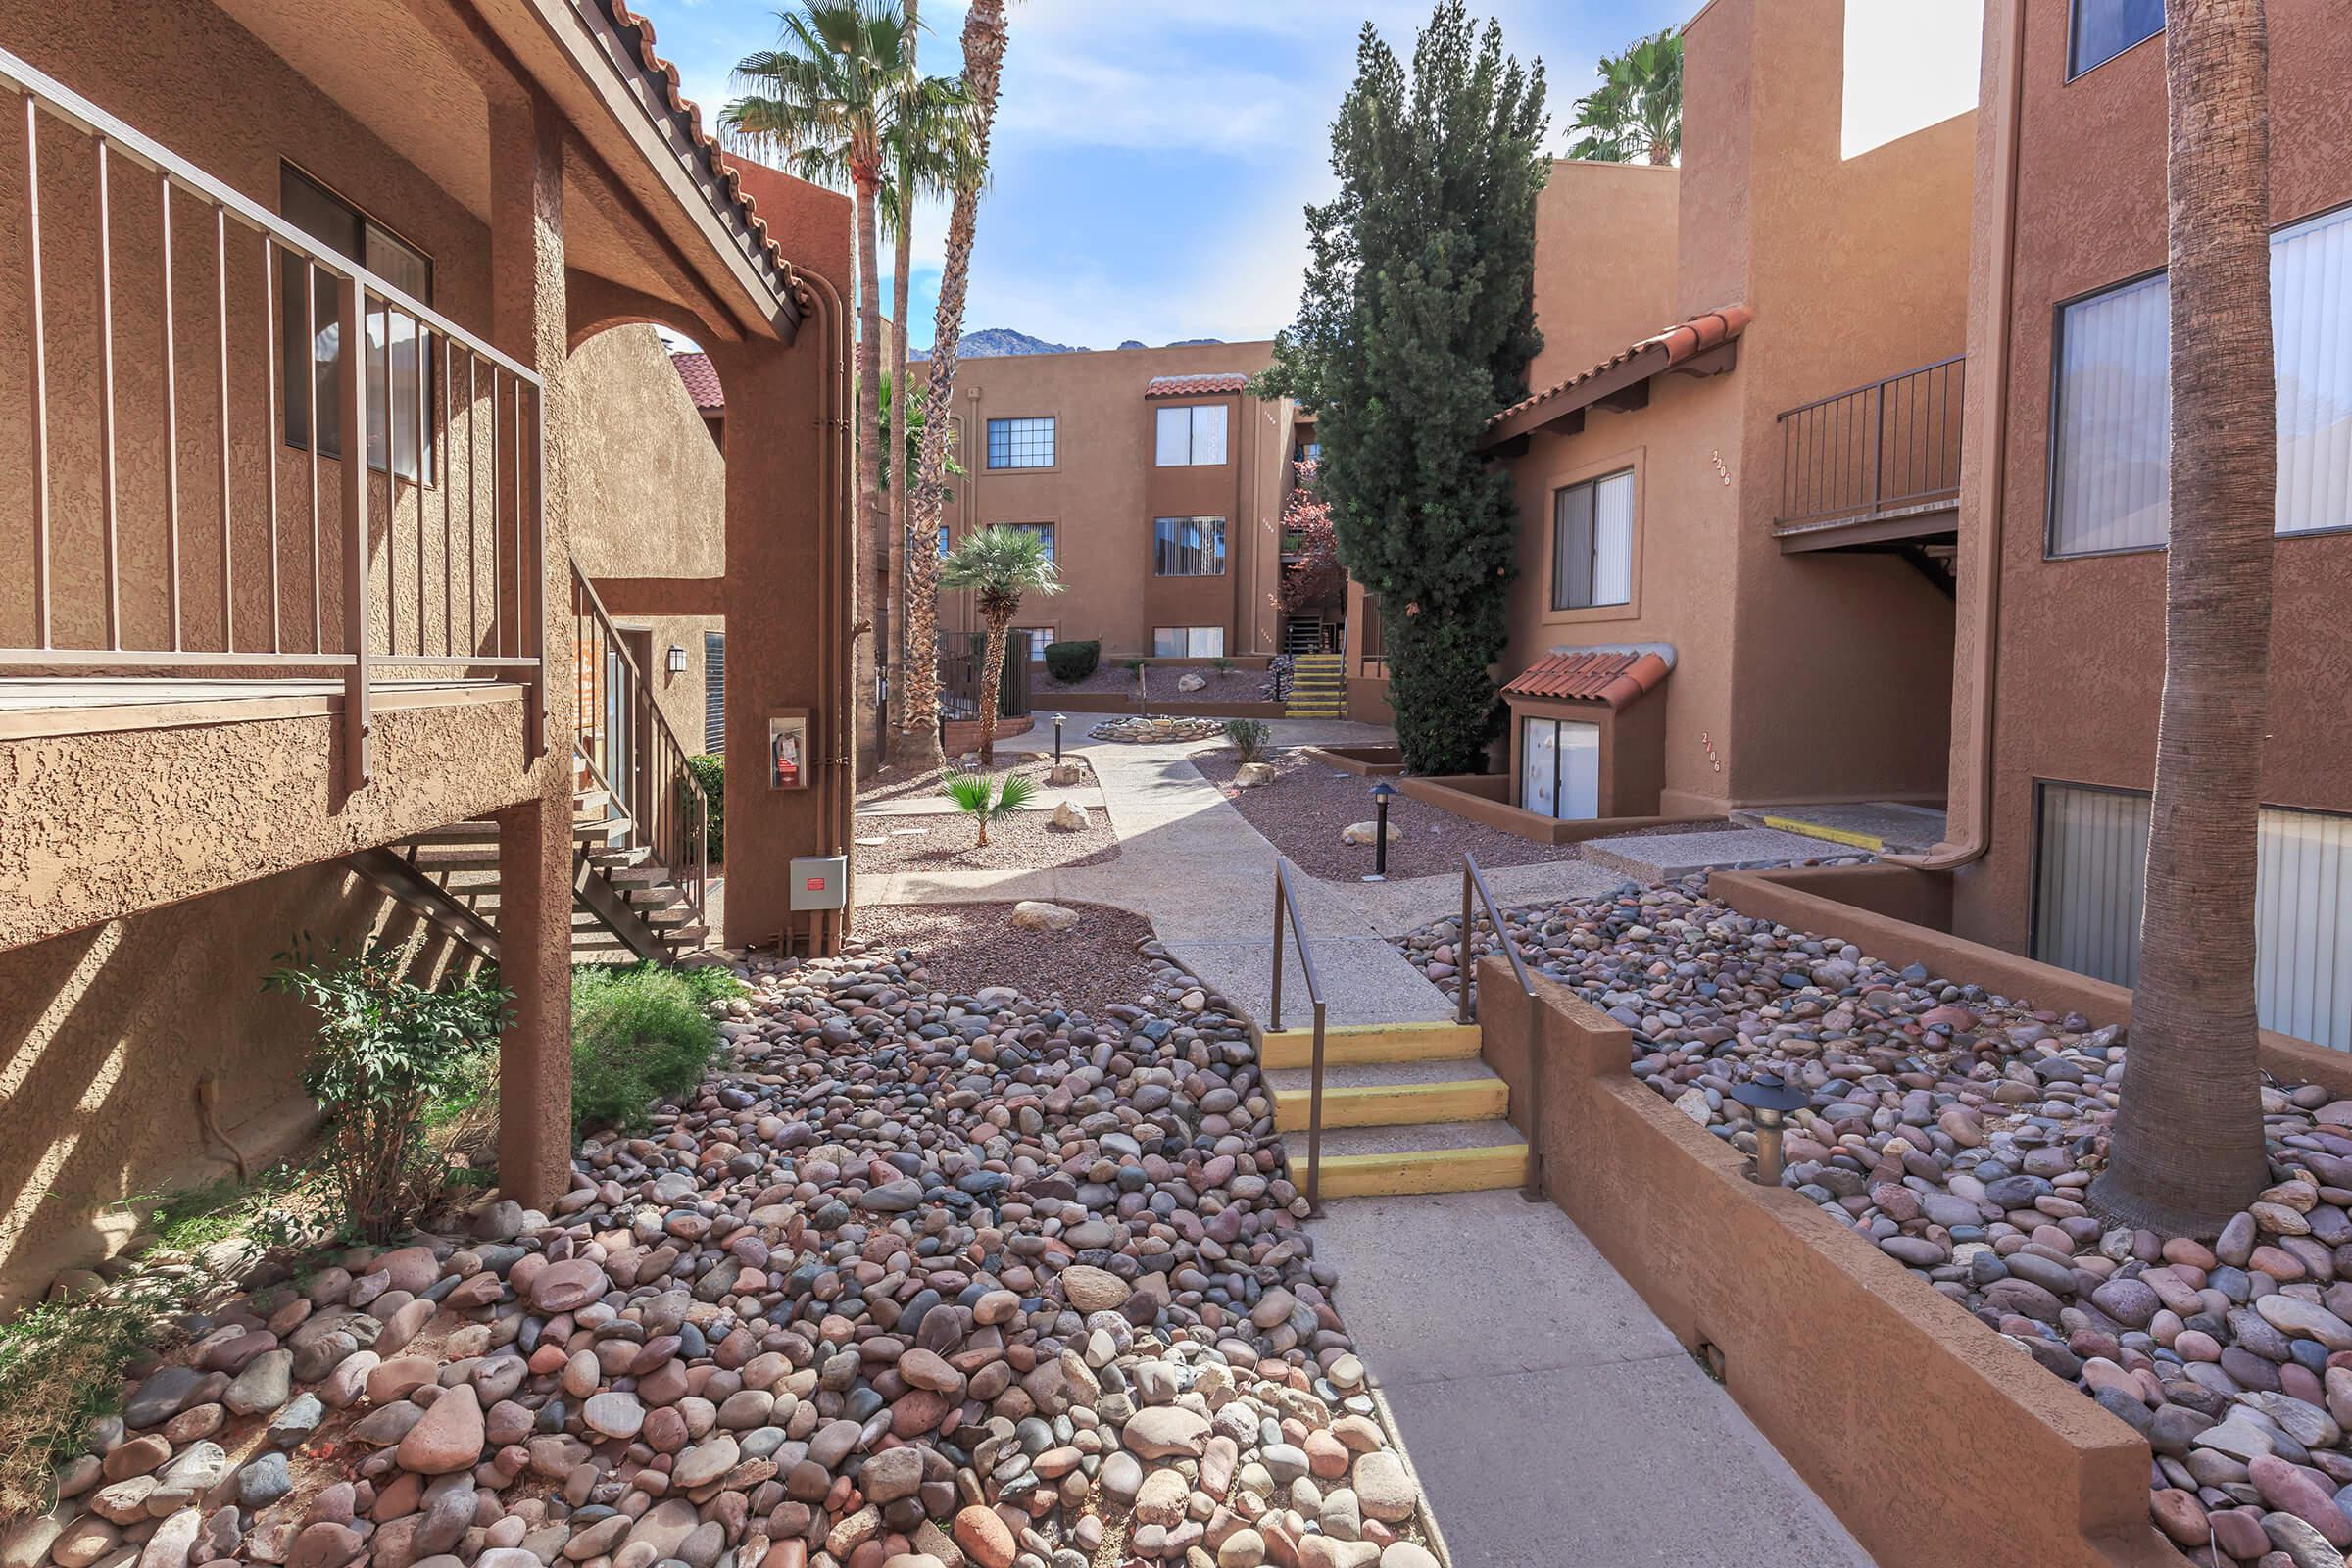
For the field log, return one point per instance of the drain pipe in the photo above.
(833, 648)
(1968, 825)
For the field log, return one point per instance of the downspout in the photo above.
(834, 661)
(1967, 830)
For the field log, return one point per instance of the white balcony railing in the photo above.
(175, 498)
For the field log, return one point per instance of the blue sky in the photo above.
(1152, 159)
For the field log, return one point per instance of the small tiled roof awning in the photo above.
(702, 381)
(1661, 352)
(1192, 386)
(1617, 676)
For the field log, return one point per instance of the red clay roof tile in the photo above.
(1684, 340)
(1617, 676)
(1188, 386)
(702, 381)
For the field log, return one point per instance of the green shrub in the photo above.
(1070, 662)
(639, 1035)
(62, 1364)
(387, 1048)
(710, 772)
(1221, 664)
(983, 798)
(1250, 737)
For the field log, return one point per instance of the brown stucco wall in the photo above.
(1812, 677)
(105, 1033)
(1605, 261)
(1794, 1302)
(649, 499)
(1105, 491)
(2081, 641)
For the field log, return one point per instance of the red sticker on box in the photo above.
(816, 884)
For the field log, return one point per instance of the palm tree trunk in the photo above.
(2187, 1149)
(991, 687)
(902, 258)
(872, 608)
(984, 40)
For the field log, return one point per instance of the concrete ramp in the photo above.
(1669, 856)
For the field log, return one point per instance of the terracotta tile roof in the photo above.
(685, 109)
(1189, 386)
(702, 381)
(1684, 340)
(1617, 676)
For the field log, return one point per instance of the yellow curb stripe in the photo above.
(1835, 834)
(1434, 1170)
(1394, 1105)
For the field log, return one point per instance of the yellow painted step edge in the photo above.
(1363, 1044)
(1394, 1105)
(1434, 1170)
(1835, 834)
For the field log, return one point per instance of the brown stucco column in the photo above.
(790, 634)
(534, 838)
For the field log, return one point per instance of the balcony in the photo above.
(1877, 466)
(181, 520)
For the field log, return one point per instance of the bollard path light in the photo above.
(1382, 794)
(1769, 1098)
(1056, 740)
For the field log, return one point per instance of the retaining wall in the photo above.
(1934, 1440)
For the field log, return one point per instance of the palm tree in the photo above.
(835, 96)
(984, 43)
(999, 565)
(1636, 111)
(2187, 1149)
(981, 797)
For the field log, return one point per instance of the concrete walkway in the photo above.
(1555, 1422)
(1205, 877)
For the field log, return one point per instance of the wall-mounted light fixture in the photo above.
(677, 660)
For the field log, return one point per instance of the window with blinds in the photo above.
(1593, 543)
(714, 693)
(1188, 547)
(2092, 853)
(1191, 436)
(2113, 413)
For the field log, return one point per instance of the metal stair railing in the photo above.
(1474, 882)
(661, 807)
(1286, 900)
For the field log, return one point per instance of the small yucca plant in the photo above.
(985, 800)
(1249, 738)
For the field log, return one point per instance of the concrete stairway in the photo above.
(1318, 687)
(624, 905)
(1408, 1107)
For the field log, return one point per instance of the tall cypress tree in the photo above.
(1417, 324)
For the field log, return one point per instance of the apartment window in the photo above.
(1559, 769)
(2105, 28)
(313, 351)
(714, 692)
(1043, 530)
(1593, 543)
(1188, 547)
(1021, 443)
(2091, 849)
(1192, 437)
(1037, 638)
(1187, 642)
(2112, 447)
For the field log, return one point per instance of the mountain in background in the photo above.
(994, 341)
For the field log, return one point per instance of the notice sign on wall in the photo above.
(788, 749)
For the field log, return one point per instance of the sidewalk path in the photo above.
(1555, 1422)
(1205, 877)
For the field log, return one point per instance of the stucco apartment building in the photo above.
(1737, 472)
(1156, 479)
(2063, 509)
(302, 642)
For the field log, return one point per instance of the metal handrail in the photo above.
(1286, 898)
(1834, 451)
(1466, 968)
(676, 837)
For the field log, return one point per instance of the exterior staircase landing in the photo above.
(1408, 1107)
(1318, 687)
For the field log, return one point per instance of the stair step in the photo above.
(453, 856)
(612, 858)
(1398, 1104)
(1357, 1043)
(645, 875)
(686, 936)
(1464, 1156)
(676, 917)
(656, 895)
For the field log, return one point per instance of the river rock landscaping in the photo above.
(1957, 1131)
(1147, 729)
(1023, 840)
(919, 1277)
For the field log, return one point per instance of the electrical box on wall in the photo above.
(820, 881)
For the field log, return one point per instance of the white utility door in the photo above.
(1559, 769)
(1539, 765)
(1580, 772)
